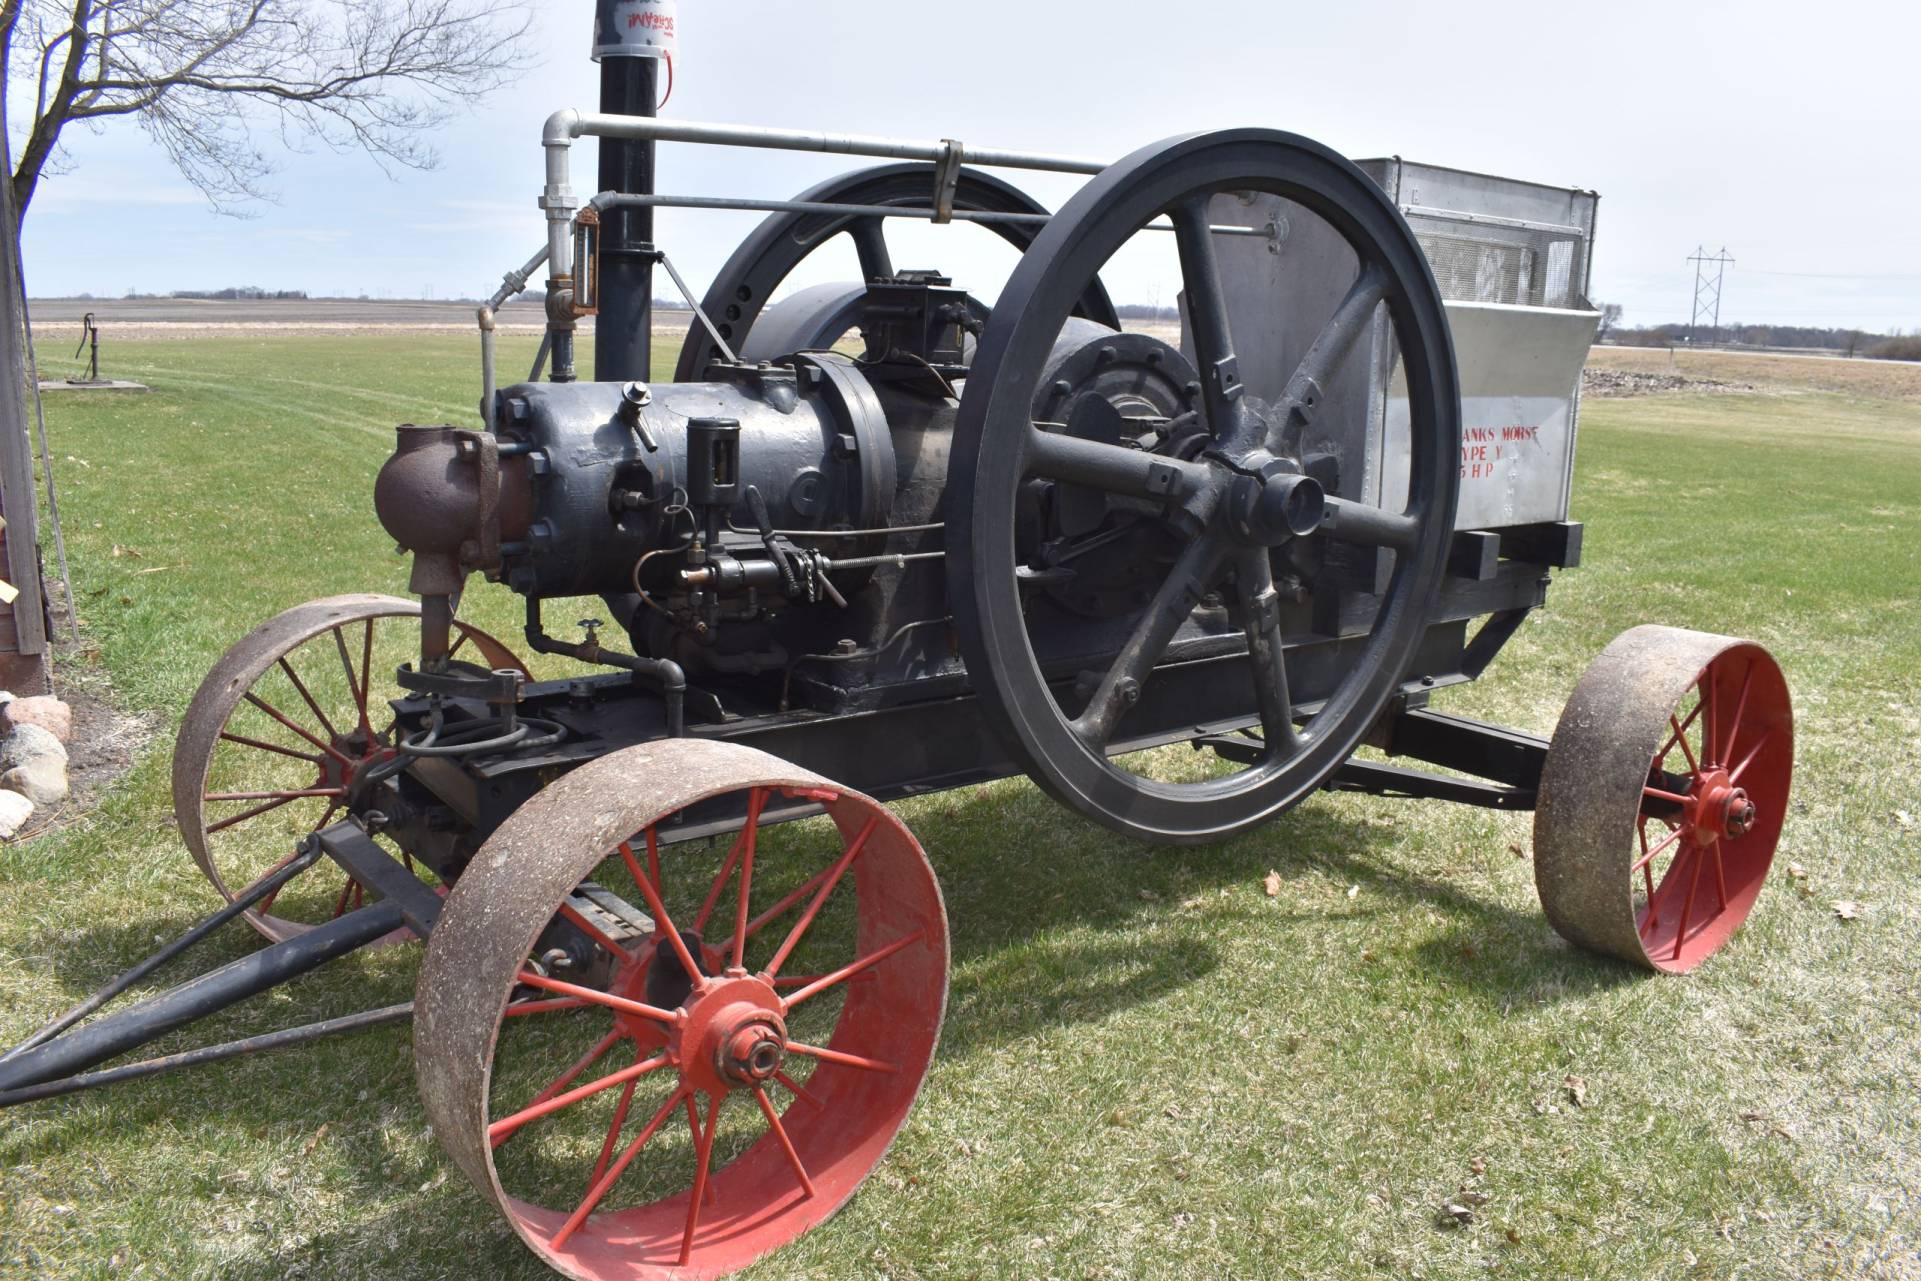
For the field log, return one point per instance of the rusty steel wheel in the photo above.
(1663, 795)
(275, 734)
(667, 1060)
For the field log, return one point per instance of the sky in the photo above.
(1781, 132)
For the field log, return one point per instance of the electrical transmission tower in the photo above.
(1707, 292)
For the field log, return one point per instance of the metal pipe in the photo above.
(211, 992)
(620, 200)
(623, 330)
(673, 680)
(564, 126)
(245, 899)
(208, 1054)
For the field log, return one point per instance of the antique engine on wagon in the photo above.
(877, 538)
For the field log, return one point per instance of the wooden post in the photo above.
(23, 623)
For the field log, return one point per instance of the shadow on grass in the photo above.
(1050, 925)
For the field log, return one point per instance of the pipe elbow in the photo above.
(561, 128)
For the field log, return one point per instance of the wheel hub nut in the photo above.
(1738, 814)
(752, 1055)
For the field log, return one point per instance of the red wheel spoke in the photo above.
(1680, 731)
(759, 923)
(663, 924)
(1709, 720)
(516, 1008)
(307, 698)
(1680, 737)
(243, 816)
(500, 1131)
(613, 1133)
(1721, 874)
(1687, 905)
(594, 997)
(1726, 748)
(854, 847)
(594, 932)
(291, 794)
(798, 1091)
(755, 801)
(266, 904)
(607, 1180)
(281, 716)
(848, 971)
(367, 678)
(580, 1065)
(346, 896)
(353, 685)
(461, 639)
(802, 980)
(653, 858)
(1647, 855)
(786, 1144)
(704, 1152)
(276, 748)
(1660, 795)
(1668, 880)
(1734, 775)
(841, 1057)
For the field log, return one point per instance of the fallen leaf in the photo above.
(1516, 850)
(1796, 871)
(1272, 883)
(1576, 1090)
(1467, 1196)
(1513, 1236)
(1149, 896)
(1477, 1165)
(1752, 1115)
(1847, 909)
(1119, 1116)
(1904, 818)
(1454, 1214)
(1353, 891)
(119, 550)
(306, 1149)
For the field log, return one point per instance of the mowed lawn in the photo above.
(1151, 1068)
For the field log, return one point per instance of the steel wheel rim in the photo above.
(988, 469)
(295, 665)
(1664, 796)
(781, 241)
(807, 1150)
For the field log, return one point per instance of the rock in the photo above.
(15, 810)
(34, 764)
(44, 710)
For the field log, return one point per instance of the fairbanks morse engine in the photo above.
(876, 539)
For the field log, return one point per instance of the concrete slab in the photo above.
(108, 384)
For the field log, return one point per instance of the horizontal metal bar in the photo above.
(208, 1054)
(347, 844)
(1377, 779)
(629, 200)
(207, 925)
(567, 125)
(1490, 220)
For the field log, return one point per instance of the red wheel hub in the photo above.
(1717, 809)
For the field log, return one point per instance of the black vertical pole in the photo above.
(622, 350)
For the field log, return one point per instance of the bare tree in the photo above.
(209, 80)
(1610, 317)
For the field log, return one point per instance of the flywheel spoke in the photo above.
(1368, 526)
(870, 244)
(1121, 687)
(1261, 610)
(1324, 358)
(1206, 304)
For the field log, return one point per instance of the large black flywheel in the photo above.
(1233, 493)
(782, 241)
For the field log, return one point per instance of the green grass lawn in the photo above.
(1150, 1067)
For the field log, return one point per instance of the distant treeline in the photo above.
(1847, 342)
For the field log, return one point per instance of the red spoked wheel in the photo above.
(277, 731)
(666, 1061)
(1663, 796)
